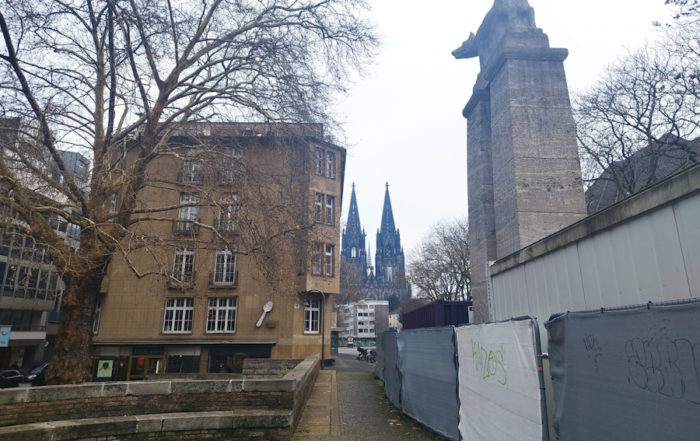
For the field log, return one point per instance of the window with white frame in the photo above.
(225, 268)
(189, 208)
(312, 313)
(328, 260)
(221, 314)
(319, 162)
(317, 264)
(353, 252)
(231, 166)
(318, 208)
(228, 216)
(330, 165)
(192, 172)
(330, 210)
(96, 317)
(178, 315)
(113, 203)
(183, 266)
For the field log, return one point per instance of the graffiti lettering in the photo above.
(667, 367)
(489, 363)
(593, 349)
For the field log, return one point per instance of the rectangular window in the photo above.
(221, 315)
(312, 313)
(192, 172)
(319, 162)
(225, 268)
(178, 315)
(183, 267)
(330, 210)
(189, 208)
(328, 261)
(318, 208)
(113, 203)
(317, 265)
(96, 317)
(330, 165)
(228, 216)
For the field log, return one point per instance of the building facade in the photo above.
(359, 278)
(31, 287)
(363, 320)
(244, 262)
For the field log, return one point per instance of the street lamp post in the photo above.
(323, 324)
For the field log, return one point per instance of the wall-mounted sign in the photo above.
(5, 336)
(104, 368)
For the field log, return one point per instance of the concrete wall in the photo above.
(646, 248)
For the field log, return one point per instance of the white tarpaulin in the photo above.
(499, 386)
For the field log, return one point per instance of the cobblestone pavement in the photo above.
(360, 411)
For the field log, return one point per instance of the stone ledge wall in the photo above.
(71, 405)
(266, 367)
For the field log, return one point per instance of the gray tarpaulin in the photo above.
(429, 379)
(627, 374)
(379, 366)
(392, 380)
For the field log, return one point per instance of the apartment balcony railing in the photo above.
(190, 178)
(223, 284)
(181, 281)
(227, 227)
(185, 227)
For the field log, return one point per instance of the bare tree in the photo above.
(685, 10)
(115, 80)
(440, 267)
(633, 126)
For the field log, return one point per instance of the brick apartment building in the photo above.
(234, 217)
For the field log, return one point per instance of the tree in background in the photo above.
(107, 78)
(635, 123)
(440, 265)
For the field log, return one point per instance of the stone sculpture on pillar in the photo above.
(523, 170)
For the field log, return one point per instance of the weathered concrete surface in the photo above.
(665, 192)
(524, 177)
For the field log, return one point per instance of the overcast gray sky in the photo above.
(403, 119)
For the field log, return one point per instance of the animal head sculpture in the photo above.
(505, 16)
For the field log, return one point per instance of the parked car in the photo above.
(11, 378)
(37, 374)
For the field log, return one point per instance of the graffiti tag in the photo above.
(489, 362)
(593, 349)
(664, 366)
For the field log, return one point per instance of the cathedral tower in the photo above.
(390, 270)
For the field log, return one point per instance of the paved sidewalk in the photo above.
(349, 406)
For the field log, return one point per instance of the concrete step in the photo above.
(91, 428)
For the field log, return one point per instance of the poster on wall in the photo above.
(5, 332)
(104, 368)
(499, 382)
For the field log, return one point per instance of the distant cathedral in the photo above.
(359, 279)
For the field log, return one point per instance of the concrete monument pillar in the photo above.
(523, 169)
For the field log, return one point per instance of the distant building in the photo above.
(359, 279)
(640, 170)
(31, 288)
(363, 320)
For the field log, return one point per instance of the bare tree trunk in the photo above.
(72, 359)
